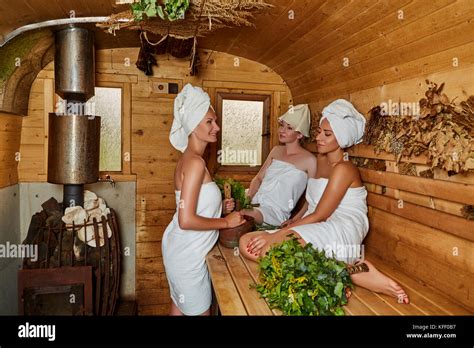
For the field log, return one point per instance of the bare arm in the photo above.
(301, 212)
(193, 174)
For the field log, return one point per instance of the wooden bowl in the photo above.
(229, 237)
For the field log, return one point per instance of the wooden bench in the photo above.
(232, 276)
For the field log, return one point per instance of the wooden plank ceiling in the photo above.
(308, 42)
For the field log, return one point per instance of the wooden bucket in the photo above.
(229, 237)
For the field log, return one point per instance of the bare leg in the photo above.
(255, 213)
(206, 313)
(174, 311)
(375, 281)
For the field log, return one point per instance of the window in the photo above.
(108, 105)
(244, 136)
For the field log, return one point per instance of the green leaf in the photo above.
(338, 289)
(151, 10)
(302, 280)
(159, 11)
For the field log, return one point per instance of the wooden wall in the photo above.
(152, 157)
(417, 225)
(10, 129)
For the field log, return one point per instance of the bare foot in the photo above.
(348, 292)
(375, 281)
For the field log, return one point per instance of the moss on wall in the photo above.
(17, 48)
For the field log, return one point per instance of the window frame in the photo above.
(266, 117)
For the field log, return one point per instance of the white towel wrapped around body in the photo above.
(279, 191)
(341, 235)
(184, 253)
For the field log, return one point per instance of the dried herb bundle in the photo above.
(442, 130)
(202, 17)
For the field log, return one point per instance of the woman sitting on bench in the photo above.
(283, 177)
(336, 218)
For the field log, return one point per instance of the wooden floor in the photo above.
(232, 276)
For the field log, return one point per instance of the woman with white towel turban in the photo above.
(282, 179)
(193, 231)
(336, 218)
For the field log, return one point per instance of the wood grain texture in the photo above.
(10, 134)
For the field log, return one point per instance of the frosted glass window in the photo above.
(108, 104)
(242, 123)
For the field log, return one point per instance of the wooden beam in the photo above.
(445, 247)
(455, 284)
(426, 298)
(225, 289)
(455, 192)
(254, 304)
(445, 222)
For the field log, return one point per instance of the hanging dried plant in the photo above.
(443, 130)
(205, 15)
(407, 169)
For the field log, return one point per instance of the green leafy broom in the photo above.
(302, 280)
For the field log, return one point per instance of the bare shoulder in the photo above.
(309, 156)
(277, 150)
(193, 162)
(346, 169)
(310, 161)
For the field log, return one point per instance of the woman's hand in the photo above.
(287, 222)
(228, 204)
(234, 219)
(260, 244)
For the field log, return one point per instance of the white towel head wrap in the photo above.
(346, 122)
(190, 107)
(299, 117)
